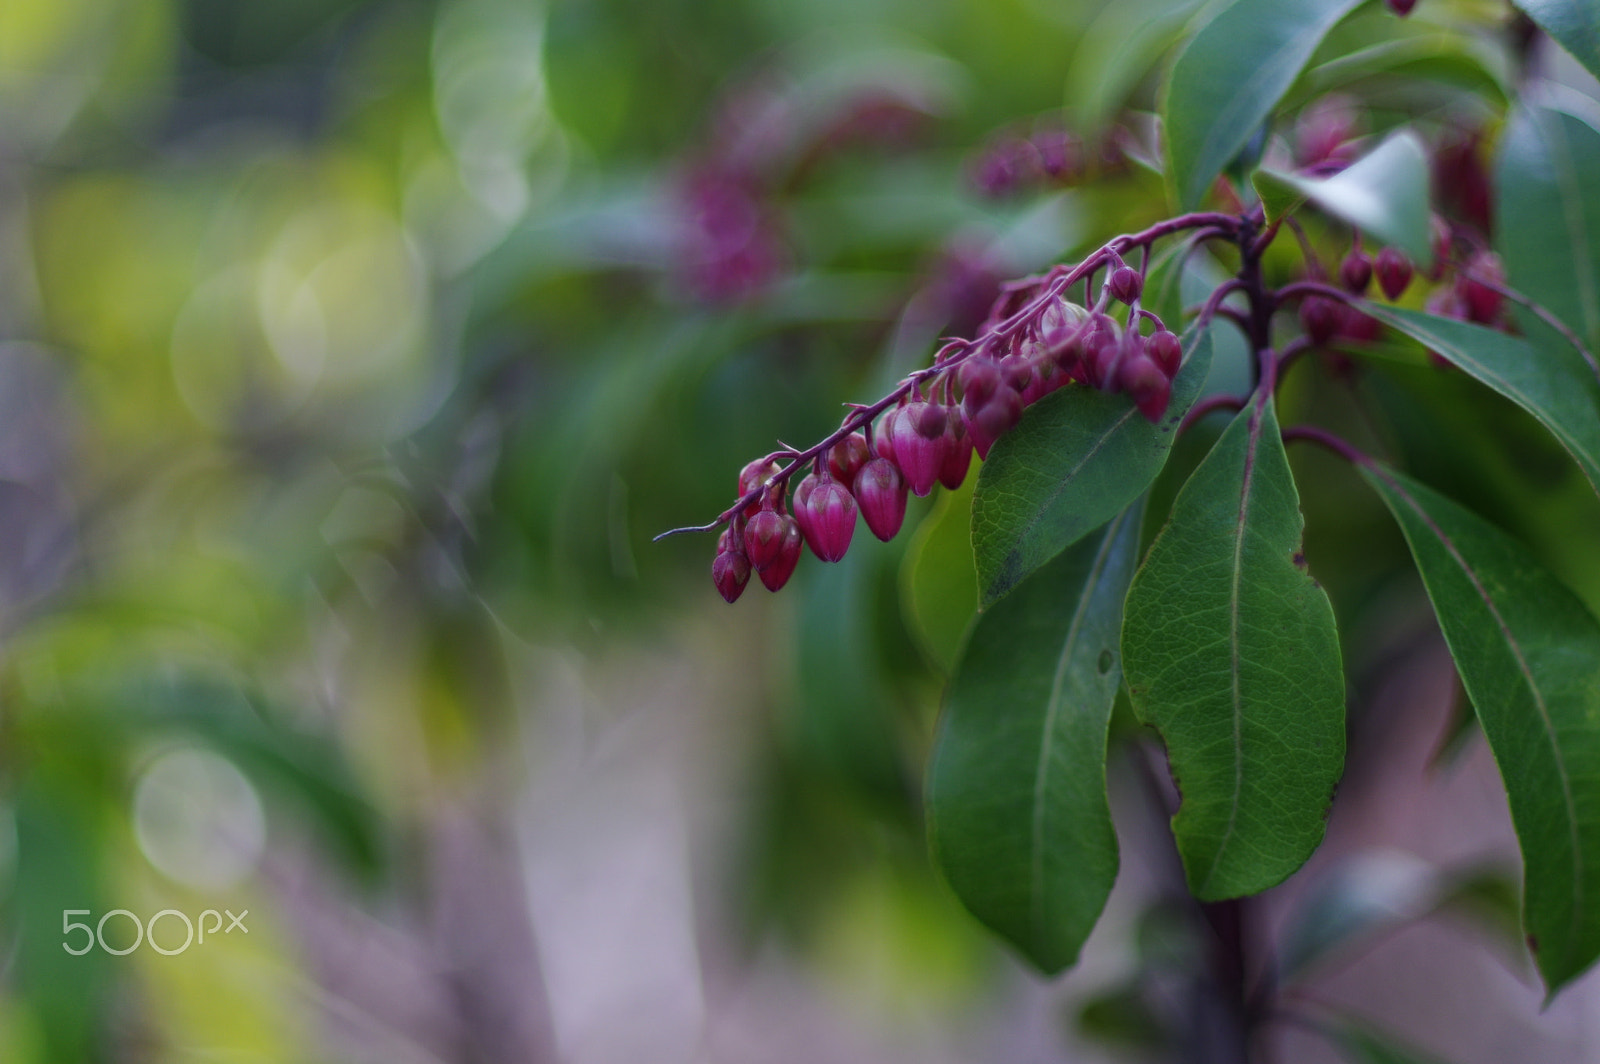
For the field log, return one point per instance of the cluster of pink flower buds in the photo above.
(1475, 292)
(929, 436)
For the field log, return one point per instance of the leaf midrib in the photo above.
(1052, 711)
(1253, 439)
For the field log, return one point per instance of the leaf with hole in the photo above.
(1230, 652)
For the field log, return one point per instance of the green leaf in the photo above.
(1017, 813)
(1231, 653)
(1547, 217)
(1552, 384)
(1575, 23)
(1116, 52)
(1078, 457)
(1452, 59)
(1229, 77)
(1385, 194)
(1528, 652)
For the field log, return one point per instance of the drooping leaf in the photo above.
(1231, 653)
(1548, 219)
(1575, 23)
(1455, 59)
(1553, 384)
(1528, 652)
(1384, 193)
(1076, 460)
(1017, 814)
(1229, 77)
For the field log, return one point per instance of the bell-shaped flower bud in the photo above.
(1482, 302)
(763, 537)
(730, 570)
(994, 419)
(827, 518)
(957, 452)
(775, 575)
(1319, 317)
(1394, 272)
(919, 444)
(1125, 284)
(1166, 350)
(802, 509)
(752, 476)
(883, 440)
(846, 457)
(1355, 272)
(1144, 382)
(978, 377)
(881, 494)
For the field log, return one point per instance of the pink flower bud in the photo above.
(1017, 372)
(1355, 272)
(1320, 318)
(1149, 388)
(1167, 351)
(919, 457)
(1125, 284)
(883, 439)
(846, 457)
(1394, 272)
(827, 519)
(752, 476)
(881, 494)
(763, 538)
(802, 504)
(994, 419)
(979, 377)
(730, 570)
(957, 452)
(1402, 8)
(775, 575)
(1482, 302)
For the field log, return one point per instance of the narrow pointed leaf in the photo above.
(1017, 814)
(1230, 652)
(1575, 23)
(1384, 193)
(1551, 383)
(1077, 459)
(1229, 77)
(1529, 656)
(1548, 219)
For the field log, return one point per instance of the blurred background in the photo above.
(352, 352)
